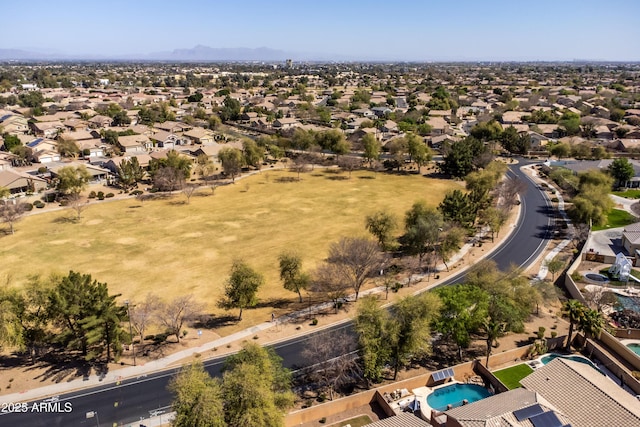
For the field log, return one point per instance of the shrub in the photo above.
(136, 192)
(255, 337)
(27, 206)
(314, 321)
(541, 331)
(108, 195)
(38, 204)
(554, 334)
(323, 420)
(92, 195)
(43, 169)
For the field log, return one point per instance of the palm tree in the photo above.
(574, 310)
(591, 323)
(493, 330)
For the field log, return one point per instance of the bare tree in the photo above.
(168, 179)
(349, 163)
(188, 191)
(332, 360)
(600, 297)
(174, 314)
(579, 235)
(508, 191)
(77, 203)
(299, 165)
(329, 281)
(11, 213)
(143, 315)
(356, 259)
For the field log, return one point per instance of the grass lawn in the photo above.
(170, 248)
(629, 194)
(360, 421)
(511, 377)
(617, 218)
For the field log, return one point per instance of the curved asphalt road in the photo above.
(132, 400)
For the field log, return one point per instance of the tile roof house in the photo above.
(200, 135)
(17, 182)
(504, 409)
(135, 143)
(631, 238)
(587, 397)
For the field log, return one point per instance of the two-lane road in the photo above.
(132, 400)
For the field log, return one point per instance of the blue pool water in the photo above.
(629, 303)
(549, 357)
(454, 394)
(635, 348)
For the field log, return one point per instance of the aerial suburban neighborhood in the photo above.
(256, 237)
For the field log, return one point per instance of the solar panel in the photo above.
(443, 374)
(546, 419)
(528, 412)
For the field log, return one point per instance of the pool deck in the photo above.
(625, 292)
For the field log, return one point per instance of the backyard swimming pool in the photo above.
(635, 347)
(549, 357)
(454, 394)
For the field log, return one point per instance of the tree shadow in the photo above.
(337, 178)
(177, 202)
(135, 206)
(65, 220)
(367, 177)
(274, 303)
(213, 322)
(286, 179)
(64, 367)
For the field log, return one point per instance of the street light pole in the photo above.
(133, 350)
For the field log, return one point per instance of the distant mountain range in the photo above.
(198, 53)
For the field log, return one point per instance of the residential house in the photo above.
(286, 123)
(631, 239)
(135, 144)
(97, 173)
(513, 117)
(165, 139)
(364, 112)
(99, 121)
(439, 125)
(625, 144)
(13, 123)
(389, 126)
(172, 127)
(381, 111)
(537, 141)
(91, 148)
(248, 116)
(18, 183)
(200, 135)
(46, 129)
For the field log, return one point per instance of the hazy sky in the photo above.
(419, 30)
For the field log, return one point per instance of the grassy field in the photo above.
(629, 194)
(169, 248)
(616, 218)
(511, 377)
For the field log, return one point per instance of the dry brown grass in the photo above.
(170, 248)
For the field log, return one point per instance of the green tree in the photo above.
(230, 109)
(493, 330)
(461, 314)
(457, 207)
(382, 224)
(88, 317)
(574, 311)
(422, 229)
(494, 219)
(458, 159)
(409, 328)
(73, 180)
(253, 154)
(569, 123)
(10, 142)
(371, 325)
(256, 388)
(488, 131)
(198, 400)
(621, 170)
(129, 172)
(291, 274)
(450, 242)
(560, 150)
(554, 265)
(371, 148)
(417, 150)
(591, 323)
(232, 161)
(241, 288)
